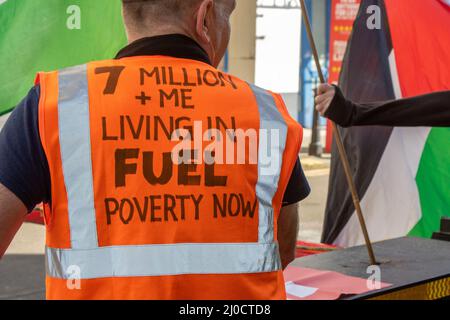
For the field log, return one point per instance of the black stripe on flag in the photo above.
(365, 77)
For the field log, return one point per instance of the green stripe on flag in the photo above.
(47, 35)
(433, 182)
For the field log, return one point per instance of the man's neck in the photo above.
(155, 32)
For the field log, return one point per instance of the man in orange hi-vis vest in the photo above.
(162, 177)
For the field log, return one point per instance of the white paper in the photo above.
(299, 291)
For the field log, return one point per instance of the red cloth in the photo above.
(419, 48)
(307, 248)
(328, 285)
(37, 217)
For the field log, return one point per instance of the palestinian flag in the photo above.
(47, 35)
(402, 174)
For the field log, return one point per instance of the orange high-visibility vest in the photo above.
(167, 181)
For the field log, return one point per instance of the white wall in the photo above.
(241, 51)
(278, 54)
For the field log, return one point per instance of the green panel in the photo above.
(34, 36)
(433, 181)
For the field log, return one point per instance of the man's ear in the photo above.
(204, 15)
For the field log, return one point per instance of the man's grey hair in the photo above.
(142, 13)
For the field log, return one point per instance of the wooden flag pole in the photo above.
(339, 143)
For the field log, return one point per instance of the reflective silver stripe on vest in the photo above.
(75, 142)
(162, 260)
(270, 157)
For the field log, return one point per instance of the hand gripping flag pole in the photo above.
(338, 139)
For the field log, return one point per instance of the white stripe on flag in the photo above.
(394, 76)
(391, 204)
(3, 118)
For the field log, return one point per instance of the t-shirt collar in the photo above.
(172, 45)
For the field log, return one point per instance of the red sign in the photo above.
(343, 14)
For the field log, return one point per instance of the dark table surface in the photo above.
(404, 262)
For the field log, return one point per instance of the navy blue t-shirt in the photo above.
(23, 165)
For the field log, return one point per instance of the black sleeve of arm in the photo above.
(298, 188)
(23, 165)
(430, 110)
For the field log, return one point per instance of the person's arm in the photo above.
(430, 110)
(24, 173)
(287, 233)
(297, 190)
(12, 214)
